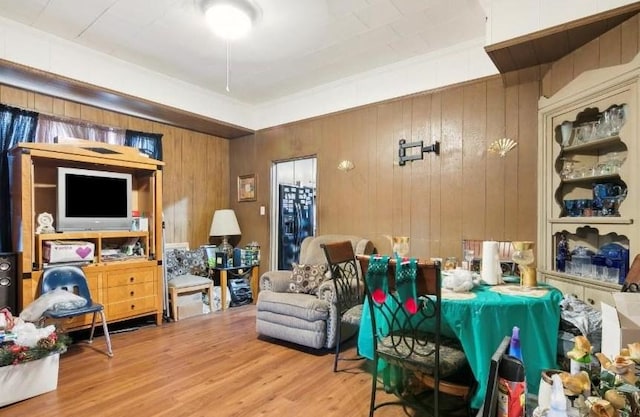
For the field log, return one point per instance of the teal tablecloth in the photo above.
(482, 322)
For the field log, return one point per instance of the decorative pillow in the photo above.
(306, 279)
(182, 262)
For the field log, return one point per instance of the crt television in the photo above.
(93, 200)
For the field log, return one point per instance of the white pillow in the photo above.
(57, 299)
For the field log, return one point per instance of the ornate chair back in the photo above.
(345, 274)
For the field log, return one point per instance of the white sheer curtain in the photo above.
(50, 127)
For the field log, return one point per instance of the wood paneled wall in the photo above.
(196, 171)
(464, 193)
(618, 46)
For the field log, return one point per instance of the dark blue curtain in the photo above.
(16, 125)
(147, 143)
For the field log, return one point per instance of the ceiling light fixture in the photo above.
(230, 20)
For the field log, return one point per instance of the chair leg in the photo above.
(107, 338)
(93, 327)
(173, 297)
(338, 337)
(374, 386)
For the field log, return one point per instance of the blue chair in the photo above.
(72, 279)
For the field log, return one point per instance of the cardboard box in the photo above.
(620, 323)
(55, 251)
(26, 380)
(190, 310)
(189, 298)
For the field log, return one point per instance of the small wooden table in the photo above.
(254, 272)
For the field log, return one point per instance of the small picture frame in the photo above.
(247, 187)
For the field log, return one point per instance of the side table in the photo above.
(224, 276)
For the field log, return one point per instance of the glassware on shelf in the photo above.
(583, 133)
(617, 115)
(566, 128)
(603, 125)
(567, 169)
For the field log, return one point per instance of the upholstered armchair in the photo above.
(304, 310)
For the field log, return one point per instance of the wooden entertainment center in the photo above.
(128, 286)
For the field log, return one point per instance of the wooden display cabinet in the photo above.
(128, 287)
(580, 147)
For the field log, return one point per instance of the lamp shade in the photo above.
(224, 223)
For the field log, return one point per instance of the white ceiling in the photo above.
(295, 45)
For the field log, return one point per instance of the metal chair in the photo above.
(73, 279)
(346, 278)
(408, 336)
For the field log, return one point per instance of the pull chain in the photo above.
(228, 66)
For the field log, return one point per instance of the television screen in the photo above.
(93, 200)
(490, 406)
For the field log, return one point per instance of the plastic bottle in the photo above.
(514, 347)
(512, 384)
(558, 404)
(512, 388)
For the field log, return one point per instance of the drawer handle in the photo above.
(575, 295)
(133, 306)
(131, 293)
(131, 279)
(590, 301)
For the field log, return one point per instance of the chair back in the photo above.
(311, 247)
(344, 273)
(401, 337)
(68, 277)
(505, 252)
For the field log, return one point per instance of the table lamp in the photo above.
(225, 224)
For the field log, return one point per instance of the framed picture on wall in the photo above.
(247, 187)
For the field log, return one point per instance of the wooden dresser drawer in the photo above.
(132, 276)
(75, 322)
(130, 292)
(133, 307)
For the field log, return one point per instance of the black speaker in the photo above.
(8, 284)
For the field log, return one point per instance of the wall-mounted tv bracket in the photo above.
(403, 146)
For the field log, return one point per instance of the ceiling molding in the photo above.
(551, 44)
(44, 82)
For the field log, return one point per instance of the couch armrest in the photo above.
(276, 281)
(327, 292)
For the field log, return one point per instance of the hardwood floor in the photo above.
(211, 365)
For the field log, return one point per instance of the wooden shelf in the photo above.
(592, 144)
(129, 286)
(591, 220)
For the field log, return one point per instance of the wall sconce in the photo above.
(403, 146)
(346, 165)
(502, 146)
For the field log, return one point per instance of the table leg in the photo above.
(255, 285)
(223, 289)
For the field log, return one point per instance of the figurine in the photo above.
(562, 254)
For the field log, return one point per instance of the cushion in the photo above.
(353, 315)
(306, 278)
(188, 280)
(186, 262)
(57, 300)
